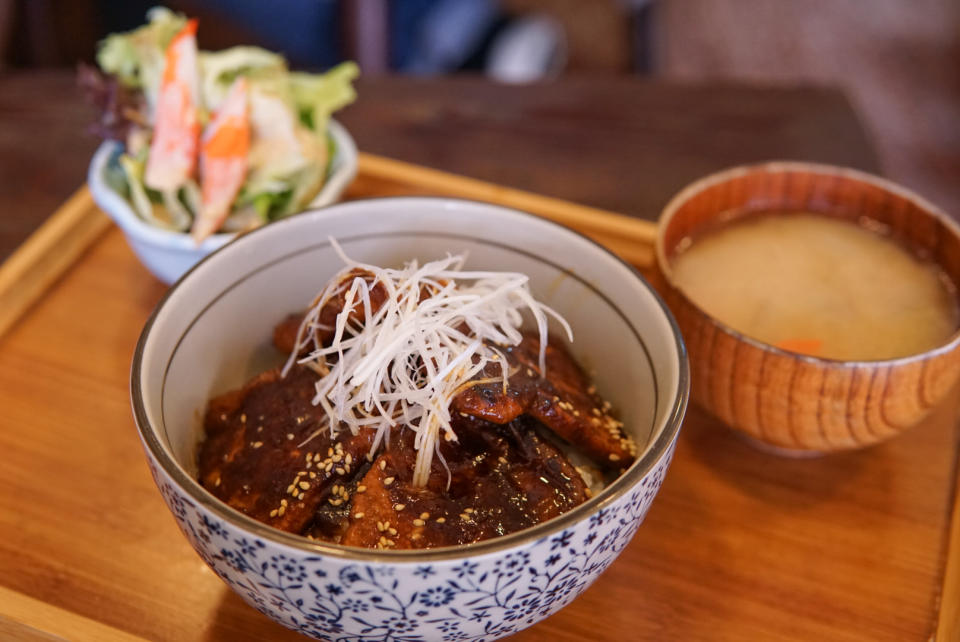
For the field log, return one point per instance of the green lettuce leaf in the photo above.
(137, 57)
(218, 70)
(316, 96)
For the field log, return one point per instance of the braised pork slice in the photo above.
(563, 401)
(252, 458)
(285, 333)
(503, 478)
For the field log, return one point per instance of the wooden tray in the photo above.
(739, 544)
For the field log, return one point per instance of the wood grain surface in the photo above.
(44, 149)
(27, 619)
(948, 624)
(617, 143)
(27, 274)
(631, 238)
(738, 545)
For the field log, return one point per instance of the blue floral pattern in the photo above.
(479, 599)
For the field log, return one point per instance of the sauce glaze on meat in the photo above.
(264, 455)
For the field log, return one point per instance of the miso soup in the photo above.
(821, 286)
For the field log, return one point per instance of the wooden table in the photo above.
(620, 144)
(738, 545)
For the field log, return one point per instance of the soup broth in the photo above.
(821, 286)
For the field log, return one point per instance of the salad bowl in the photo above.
(192, 348)
(209, 141)
(168, 254)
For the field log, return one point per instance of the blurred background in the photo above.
(898, 62)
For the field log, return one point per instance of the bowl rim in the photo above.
(822, 169)
(641, 467)
(118, 209)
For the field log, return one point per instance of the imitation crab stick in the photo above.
(173, 151)
(223, 160)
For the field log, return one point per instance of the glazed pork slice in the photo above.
(564, 401)
(502, 479)
(252, 458)
(285, 333)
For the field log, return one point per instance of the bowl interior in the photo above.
(213, 330)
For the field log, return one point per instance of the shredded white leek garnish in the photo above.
(403, 363)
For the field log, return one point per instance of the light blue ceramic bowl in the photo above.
(169, 254)
(193, 347)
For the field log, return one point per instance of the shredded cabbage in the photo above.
(218, 70)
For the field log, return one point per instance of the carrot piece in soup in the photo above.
(803, 346)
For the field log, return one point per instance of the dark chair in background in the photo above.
(414, 36)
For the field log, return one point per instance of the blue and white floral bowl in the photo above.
(212, 331)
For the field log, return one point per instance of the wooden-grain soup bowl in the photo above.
(792, 401)
(212, 332)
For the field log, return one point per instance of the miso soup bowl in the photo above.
(793, 402)
(212, 331)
